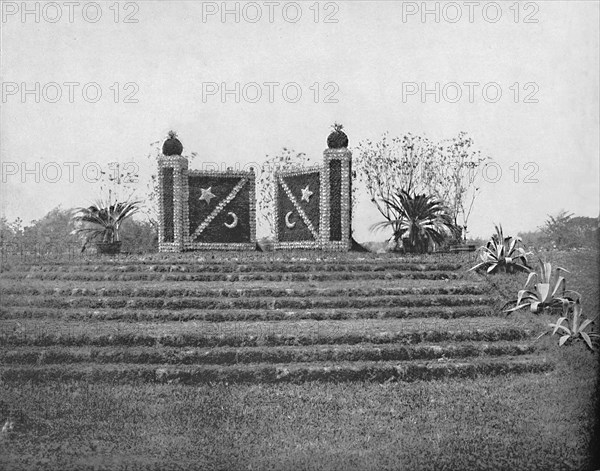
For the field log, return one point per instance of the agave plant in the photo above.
(421, 219)
(577, 327)
(539, 294)
(101, 222)
(503, 254)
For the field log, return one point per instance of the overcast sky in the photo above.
(356, 62)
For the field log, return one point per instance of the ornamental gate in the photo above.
(217, 209)
(313, 205)
(205, 209)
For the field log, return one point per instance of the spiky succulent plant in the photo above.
(544, 292)
(574, 326)
(503, 254)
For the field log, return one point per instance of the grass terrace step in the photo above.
(135, 290)
(248, 334)
(294, 372)
(232, 256)
(326, 328)
(174, 303)
(231, 356)
(223, 267)
(231, 277)
(223, 258)
(224, 315)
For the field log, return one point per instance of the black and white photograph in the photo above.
(300, 235)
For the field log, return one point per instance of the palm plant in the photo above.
(420, 220)
(102, 220)
(540, 296)
(502, 254)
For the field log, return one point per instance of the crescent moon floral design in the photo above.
(235, 221)
(289, 224)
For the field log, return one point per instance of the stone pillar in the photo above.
(172, 195)
(336, 200)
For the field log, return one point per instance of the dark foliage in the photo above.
(338, 138)
(172, 146)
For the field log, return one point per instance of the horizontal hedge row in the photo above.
(241, 339)
(229, 356)
(244, 303)
(258, 276)
(162, 315)
(136, 291)
(296, 373)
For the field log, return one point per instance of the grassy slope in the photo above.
(583, 265)
(531, 421)
(488, 423)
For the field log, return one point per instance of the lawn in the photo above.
(541, 420)
(538, 421)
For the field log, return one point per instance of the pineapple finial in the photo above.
(172, 145)
(338, 138)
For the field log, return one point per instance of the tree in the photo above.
(54, 228)
(10, 232)
(556, 227)
(49, 235)
(447, 171)
(458, 171)
(265, 181)
(391, 165)
(565, 230)
(139, 236)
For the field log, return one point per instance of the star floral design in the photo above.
(306, 194)
(207, 195)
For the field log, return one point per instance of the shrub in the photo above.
(575, 327)
(139, 236)
(419, 221)
(102, 220)
(540, 296)
(503, 254)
